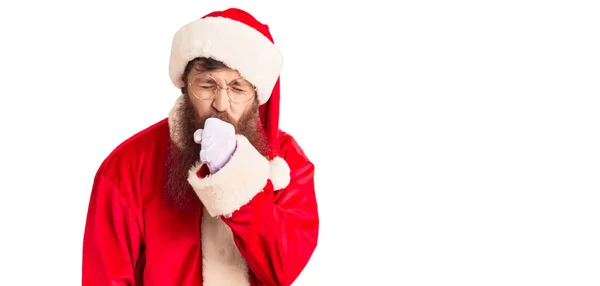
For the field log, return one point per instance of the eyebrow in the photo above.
(233, 80)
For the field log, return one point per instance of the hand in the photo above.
(217, 141)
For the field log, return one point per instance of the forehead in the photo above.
(226, 74)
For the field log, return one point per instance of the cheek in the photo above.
(202, 107)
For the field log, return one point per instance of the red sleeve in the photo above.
(275, 230)
(112, 238)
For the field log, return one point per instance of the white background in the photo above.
(455, 142)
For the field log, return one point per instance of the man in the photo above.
(215, 194)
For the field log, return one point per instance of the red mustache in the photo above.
(223, 116)
(219, 115)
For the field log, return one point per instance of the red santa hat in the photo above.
(241, 42)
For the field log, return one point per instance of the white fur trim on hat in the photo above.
(236, 44)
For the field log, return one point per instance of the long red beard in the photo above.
(181, 159)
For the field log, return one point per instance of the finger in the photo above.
(198, 136)
(203, 156)
(218, 124)
(207, 142)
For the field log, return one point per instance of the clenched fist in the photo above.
(217, 141)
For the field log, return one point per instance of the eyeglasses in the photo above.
(205, 87)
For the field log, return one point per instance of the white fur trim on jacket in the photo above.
(222, 262)
(174, 121)
(237, 45)
(244, 176)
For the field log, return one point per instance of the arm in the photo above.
(275, 230)
(111, 243)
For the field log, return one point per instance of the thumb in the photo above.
(198, 136)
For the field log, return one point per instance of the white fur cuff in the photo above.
(244, 176)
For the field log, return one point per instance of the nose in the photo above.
(221, 101)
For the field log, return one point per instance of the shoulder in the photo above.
(135, 151)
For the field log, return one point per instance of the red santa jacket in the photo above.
(245, 233)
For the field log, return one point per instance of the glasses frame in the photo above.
(219, 88)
